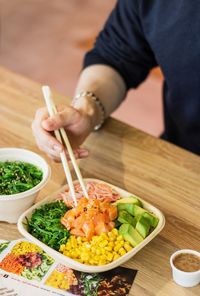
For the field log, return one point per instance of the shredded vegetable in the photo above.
(18, 176)
(99, 191)
(45, 224)
(11, 264)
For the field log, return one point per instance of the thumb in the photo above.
(65, 117)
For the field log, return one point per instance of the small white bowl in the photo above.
(13, 205)
(183, 278)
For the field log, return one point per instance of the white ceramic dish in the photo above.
(183, 278)
(12, 206)
(83, 267)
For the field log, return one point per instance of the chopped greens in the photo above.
(45, 224)
(18, 176)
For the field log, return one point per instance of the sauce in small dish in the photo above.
(187, 262)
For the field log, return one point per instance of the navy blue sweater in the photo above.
(140, 35)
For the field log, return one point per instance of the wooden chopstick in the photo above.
(47, 93)
(48, 100)
(74, 162)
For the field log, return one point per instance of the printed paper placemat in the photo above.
(26, 268)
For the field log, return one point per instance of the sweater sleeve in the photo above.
(122, 45)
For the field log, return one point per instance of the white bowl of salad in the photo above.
(97, 235)
(23, 174)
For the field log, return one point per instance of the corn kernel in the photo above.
(103, 251)
(116, 256)
(68, 247)
(109, 256)
(98, 251)
(120, 237)
(114, 231)
(112, 238)
(87, 246)
(104, 236)
(79, 240)
(93, 249)
(127, 247)
(103, 257)
(62, 248)
(66, 253)
(96, 258)
(117, 247)
(103, 244)
(122, 251)
(120, 243)
(111, 244)
(108, 248)
(73, 255)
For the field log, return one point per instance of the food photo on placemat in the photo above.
(114, 282)
(27, 260)
(28, 265)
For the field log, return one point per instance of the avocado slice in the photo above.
(130, 234)
(124, 229)
(125, 217)
(132, 209)
(153, 220)
(129, 200)
(143, 226)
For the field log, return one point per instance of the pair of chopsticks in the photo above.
(61, 136)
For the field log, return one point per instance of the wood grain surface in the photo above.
(161, 173)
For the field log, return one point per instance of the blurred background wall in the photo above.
(45, 40)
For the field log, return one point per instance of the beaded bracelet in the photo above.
(97, 101)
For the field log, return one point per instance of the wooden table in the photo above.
(161, 173)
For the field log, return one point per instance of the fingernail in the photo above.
(82, 150)
(57, 148)
(48, 123)
(83, 153)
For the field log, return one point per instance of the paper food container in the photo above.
(75, 264)
(13, 205)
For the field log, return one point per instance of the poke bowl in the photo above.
(97, 235)
(23, 174)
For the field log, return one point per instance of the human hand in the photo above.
(77, 125)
